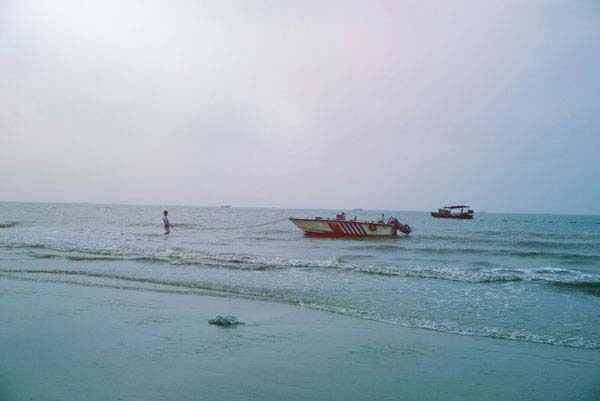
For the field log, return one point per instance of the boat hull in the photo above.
(466, 216)
(344, 228)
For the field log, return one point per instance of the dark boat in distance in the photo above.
(446, 212)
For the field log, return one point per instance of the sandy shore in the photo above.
(70, 342)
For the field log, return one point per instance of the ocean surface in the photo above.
(531, 278)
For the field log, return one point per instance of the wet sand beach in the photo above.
(67, 341)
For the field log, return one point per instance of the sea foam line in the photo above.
(181, 256)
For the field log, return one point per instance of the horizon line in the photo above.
(280, 207)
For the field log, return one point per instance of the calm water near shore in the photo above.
(529, 278)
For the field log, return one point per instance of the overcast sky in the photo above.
(338, 104)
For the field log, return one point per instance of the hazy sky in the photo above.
(339, 104)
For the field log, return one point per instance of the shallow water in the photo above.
(533, 278)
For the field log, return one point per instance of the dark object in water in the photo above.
(446, 213)
(225, 321)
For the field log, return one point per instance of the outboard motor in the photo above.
(403, 228)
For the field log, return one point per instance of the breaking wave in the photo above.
(590, 287)
(487, 275)
(566, 257)
(18, 245)
(482, 272)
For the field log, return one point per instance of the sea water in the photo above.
(520, 277)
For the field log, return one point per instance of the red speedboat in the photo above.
(340, 227)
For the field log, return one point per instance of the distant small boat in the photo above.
(340, 227)
(225, 206)
(446, 212)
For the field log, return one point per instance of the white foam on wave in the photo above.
(451, 328)
(238, 261)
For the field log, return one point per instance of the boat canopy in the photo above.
(456, 207)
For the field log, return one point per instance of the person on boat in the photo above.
(166, 222)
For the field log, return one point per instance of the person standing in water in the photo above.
(166, 223)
